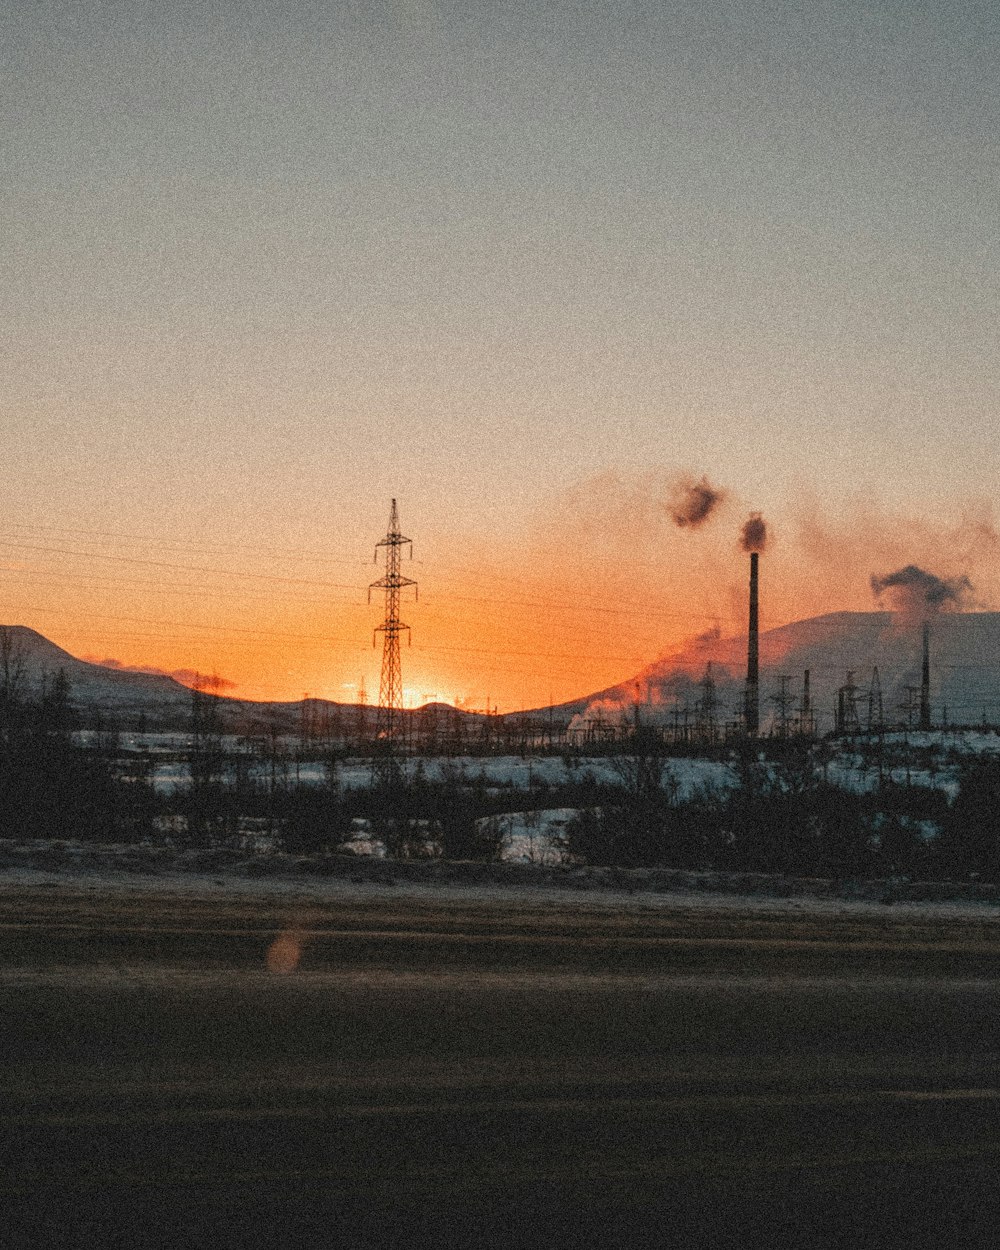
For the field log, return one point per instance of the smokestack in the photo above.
(925, 681)
(752, 702)
(806, 704)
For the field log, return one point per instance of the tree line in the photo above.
(781, 814)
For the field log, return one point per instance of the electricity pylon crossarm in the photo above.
(390, 697)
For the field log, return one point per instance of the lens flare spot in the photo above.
(285, 951)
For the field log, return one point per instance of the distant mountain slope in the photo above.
(118, 692)
(43, 658)
(965, 676)
(965, 668)
(158, 702)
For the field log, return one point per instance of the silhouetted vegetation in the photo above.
(970, 839)
(50, 785)
(784, 810)
(783, 815)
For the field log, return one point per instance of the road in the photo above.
(374, 1070)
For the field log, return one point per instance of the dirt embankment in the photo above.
(82, 860)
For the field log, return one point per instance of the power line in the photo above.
(540, 655)
(543, 604)
(468, 571)
(184, 625)
(158, 542)
(192, 568)
(325, 640)
(671, 664)
(17, 543)
(192, 589)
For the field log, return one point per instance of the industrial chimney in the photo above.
(751, 716)
(925, 681)
(806, 718)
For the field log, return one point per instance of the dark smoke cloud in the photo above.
(754, 533)
(212, 684)
(913, 590)
(692, 502)
(186, 676)
(709, 636)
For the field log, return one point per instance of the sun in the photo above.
(418, 696)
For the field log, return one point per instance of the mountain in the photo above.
(964, 655)
(964, 670)
(125, 694)
(157, 702)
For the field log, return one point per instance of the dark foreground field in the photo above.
(377, 1070)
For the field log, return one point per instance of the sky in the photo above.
(267, 266)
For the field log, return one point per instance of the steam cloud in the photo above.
(692, 502)
(754, 533)
(186, 676)
(914, 591)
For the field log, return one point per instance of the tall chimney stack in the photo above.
(807, 716)
(925, 681)
(752, 699)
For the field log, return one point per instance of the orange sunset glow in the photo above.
(582, 290)
(593, 593)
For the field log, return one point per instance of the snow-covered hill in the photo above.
(964, 655)
(156, 701)
(35, 659)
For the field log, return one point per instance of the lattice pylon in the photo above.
(389, 720)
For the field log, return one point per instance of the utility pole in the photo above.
(361, 715)
(784, 699)
(807, 718)
(389, 716)
(707, 707)
(875, 712)
(912, 705)
(847, 707)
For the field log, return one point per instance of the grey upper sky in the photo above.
(265, 264)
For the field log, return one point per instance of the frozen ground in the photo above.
(58, 866)
(929, 759)
(502, 772)
(533, 837)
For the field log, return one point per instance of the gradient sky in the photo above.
(267, 265)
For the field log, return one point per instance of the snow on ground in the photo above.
(861, 778)
(532, 837)
(546, 895)
(962, 741)
(932, 760)
(502, 772)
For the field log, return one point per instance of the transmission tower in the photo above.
(807, 717)
(875, 710)
(388, 721)
(707, 706)
(784, 699)
(911, 707)
(846, 719)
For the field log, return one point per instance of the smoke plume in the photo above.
(708, 637)
(754, 533)
(691, 502)
(186, 676)
(916, 593)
